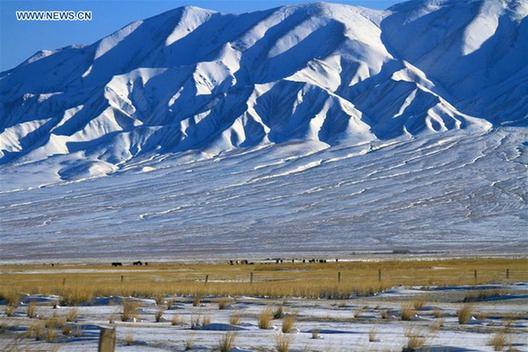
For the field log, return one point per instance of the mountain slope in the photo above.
(194, 79)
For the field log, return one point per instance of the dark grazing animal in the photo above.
(137, 263)
(117, 264)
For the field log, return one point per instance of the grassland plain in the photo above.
(76, 283)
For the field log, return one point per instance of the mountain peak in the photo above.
(330, 74)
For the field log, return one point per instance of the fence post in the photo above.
(475, 275)
(379, 275)
(122, 278)
(206, 279)
(251, 278)
(107, 340)
(507, 273)
(339, 277)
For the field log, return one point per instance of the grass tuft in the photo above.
(10, 310)
(282, 343)
(55, 322)
(419, 303)
(437, 325)
(197, 299)
(438, 313)
(415, 340)
(265, 318)
(72, 315)
(176, 320)
(234, 319)
(288, 323)
(31, 310)
(36, 330)
(407, 312)
(373, 335)
(130, 310)
(227, 342)
(499, 341)
(51, 335)
(224, 303)
(159, 315)
(464, 314)
(189, 343)
(129, 340)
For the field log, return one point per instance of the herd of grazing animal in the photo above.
(241, 261)
(280, 261)
(139, 262)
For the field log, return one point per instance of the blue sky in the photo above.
(21, 39)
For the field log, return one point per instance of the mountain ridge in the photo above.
(195, 79)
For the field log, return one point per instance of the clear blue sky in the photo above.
(21, 39)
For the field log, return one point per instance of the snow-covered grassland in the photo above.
(455, 192)
(438, 305)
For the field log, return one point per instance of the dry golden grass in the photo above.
(36, 330)
(415, 340)
(288, 323)
(130, 310)
(373, 335)
(419, 302)
(407, 312)
(31, 310)
(129, 340)
(499, 341)
(159, 298)
(356, 314)
(224, 303)
(227, 342)
(234, 319)
(176, 320)
(464, 314)
(199, 321)
(272, 280)
(158, 316)
(206, 320)
(189, 343)
(55, 322)
(50, 335)
(10, 310)
(437, 325)
(72, 315)
(385, 314)
(437, 313)
(282, 342)
(10, 295)
(197, 299)
(196, 322)
(264, 319)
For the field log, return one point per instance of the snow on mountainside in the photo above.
(194, 79)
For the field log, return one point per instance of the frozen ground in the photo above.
(343, 325)
(455, 192)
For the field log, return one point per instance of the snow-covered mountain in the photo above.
(194, 79)
(319, 128)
